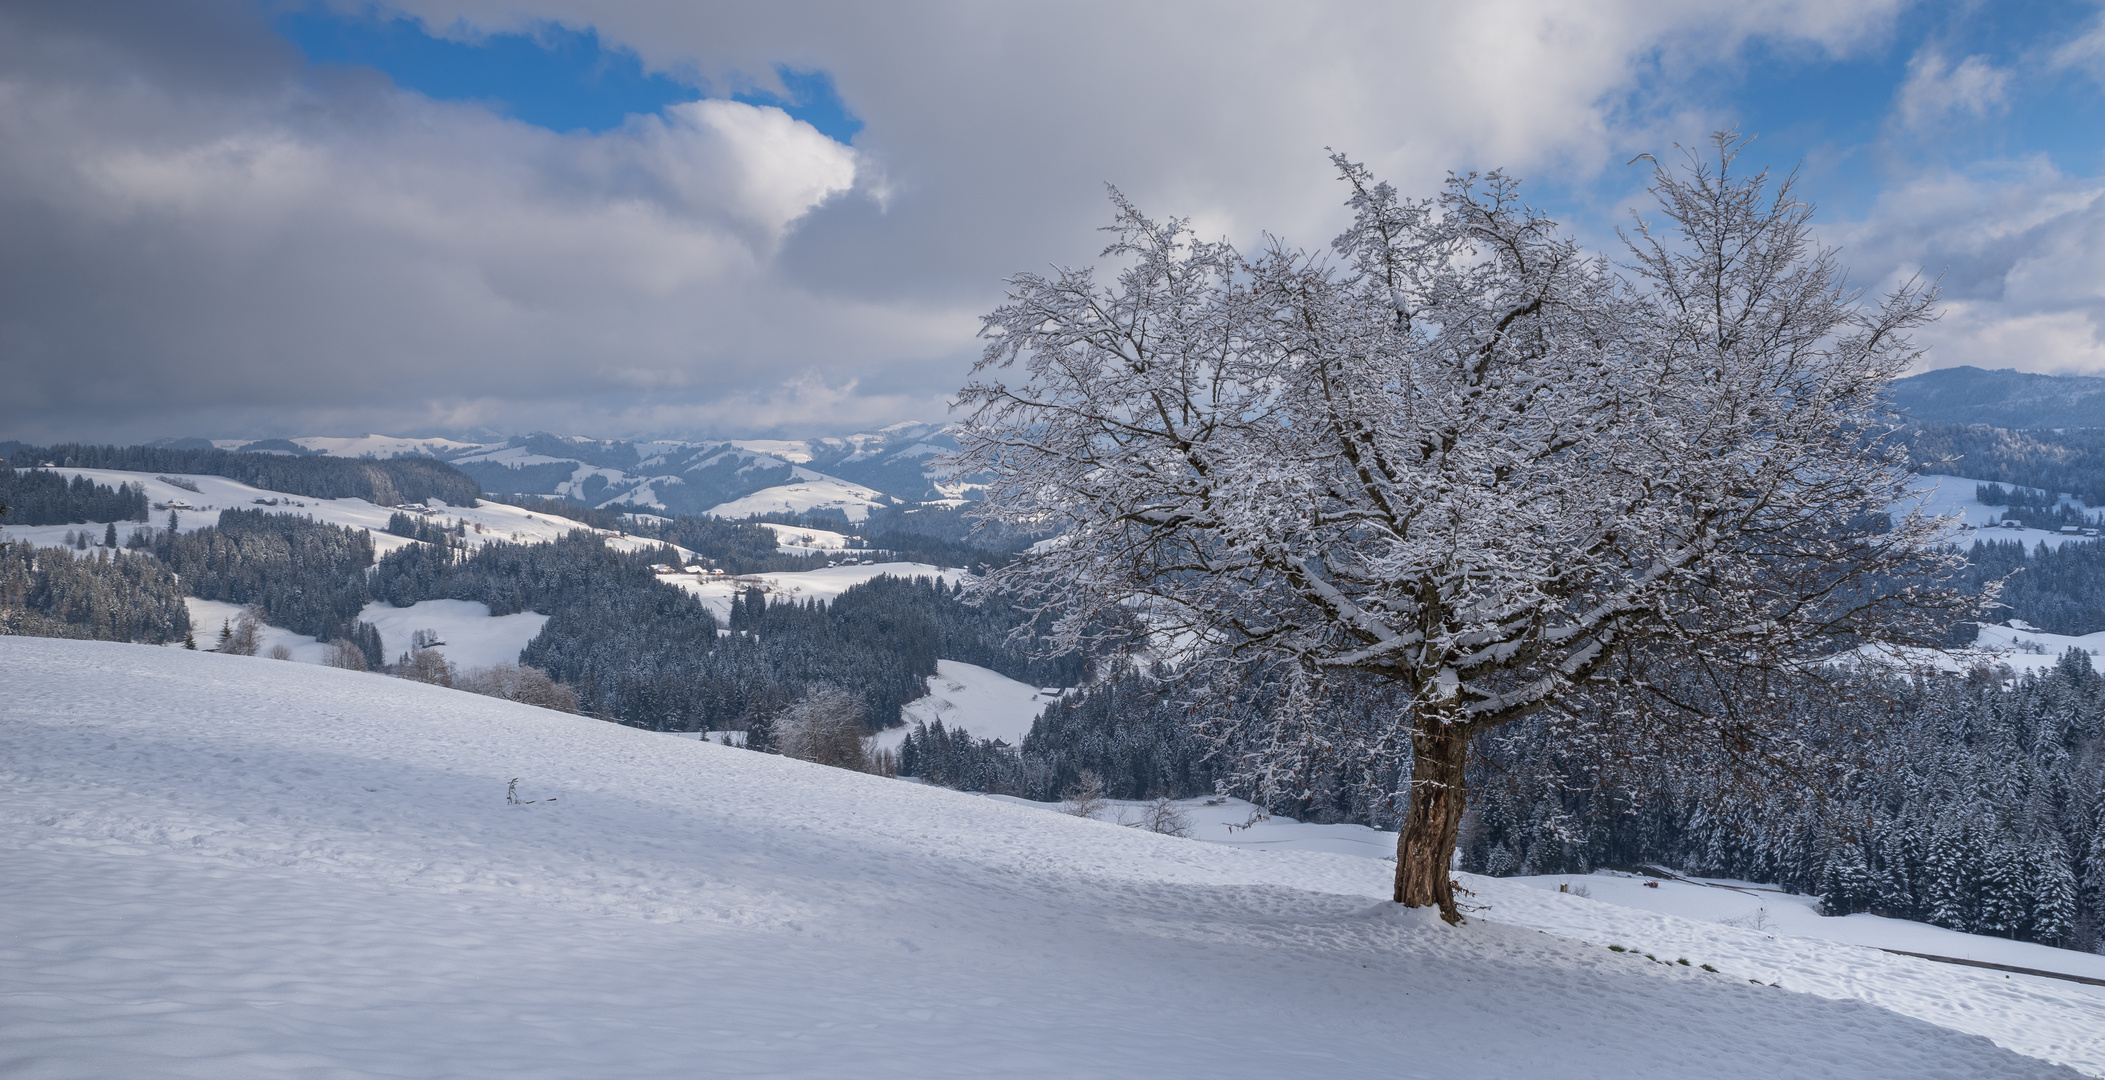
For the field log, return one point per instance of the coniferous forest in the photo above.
(651, 655)
(1972, 802)
(307, 576)
(383, 482)
(105, 595)
(42, 497)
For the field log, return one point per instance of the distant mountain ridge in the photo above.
(2004, 399)
(851, 474)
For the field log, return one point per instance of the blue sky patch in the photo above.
(557, 77)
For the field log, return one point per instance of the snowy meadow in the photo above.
(221, 866)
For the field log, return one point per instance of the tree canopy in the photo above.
(1463, 455)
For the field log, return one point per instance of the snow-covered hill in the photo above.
(825, 583)
(1954, 496)
(485, 522)
(986, 703)
(223, 866)
(738, 478)
(806, 491)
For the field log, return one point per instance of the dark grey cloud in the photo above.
(200, 234)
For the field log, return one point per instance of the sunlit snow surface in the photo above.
(986, 703)
(227, 867)
(499, 521)
(805, 492)
(825, 583)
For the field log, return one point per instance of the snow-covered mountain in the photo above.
(226, 866)
(851, 474)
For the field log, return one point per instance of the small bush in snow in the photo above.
(343, 653)
(1086, 798)
(1164, 816)
(824, 726)
(520, 683)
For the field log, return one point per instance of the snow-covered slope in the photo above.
(805, 492)
(469, 636)
(386, 446)
(497, 521)
(824, 583)
(986, 703)
(796, 540)
(1943, 496)
(228, 867)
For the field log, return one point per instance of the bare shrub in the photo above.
(520, 683)
(1163, 815)
(346, 655)
(243, 635)
(824, 726)
(1086, 797)
(280, 652)
(425, 666)
(1758, 919)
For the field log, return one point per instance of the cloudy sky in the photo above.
(685, 218)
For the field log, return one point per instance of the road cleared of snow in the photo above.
(225, 867)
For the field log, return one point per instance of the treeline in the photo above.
(938, 536)
(650, 654)
(307, 576)
(1974, 803)
(1136, 739)
(42, 497)
(2016, 497)
(733, 547)
(1143, 735)
(2072, 461)
(107, 596)
(419, 527)
(383, 482)
(2060, 590)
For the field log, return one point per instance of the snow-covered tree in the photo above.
(1464, 456)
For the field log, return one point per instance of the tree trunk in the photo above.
(1425, 848)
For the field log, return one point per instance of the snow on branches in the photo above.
(1463, 455)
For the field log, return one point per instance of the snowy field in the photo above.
(226, 867)
(469, 636)
(1737, 904)
(987, 703)
(1944, 496)
(795, 540)
(498, 521)
(825, 583)
(2022, 650)
(807, 490)
(1766, 908)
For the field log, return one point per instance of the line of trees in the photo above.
(307, 576)
(383, 482)
(2059, 589)
(106, 596)
(1975, 803)
(42, 497)
(650, 654)
(2049, 461)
